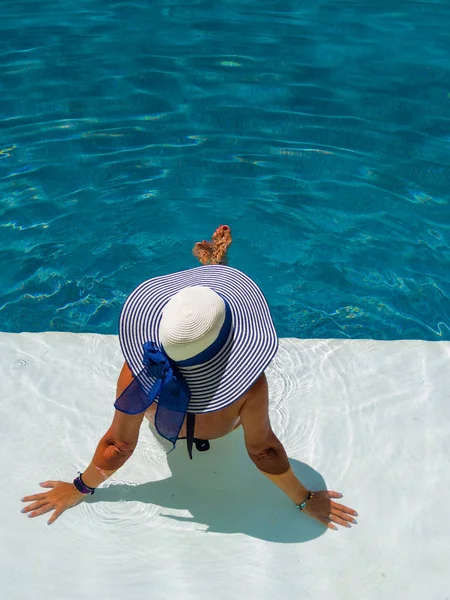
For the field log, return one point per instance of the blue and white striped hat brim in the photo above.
(251, 344)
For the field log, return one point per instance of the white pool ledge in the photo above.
(370, 418)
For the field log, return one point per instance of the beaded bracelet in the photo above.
(309, 497)
(81, 486)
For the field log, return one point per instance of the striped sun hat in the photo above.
(209, 326)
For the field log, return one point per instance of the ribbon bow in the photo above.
(169, 387)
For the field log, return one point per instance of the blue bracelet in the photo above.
(81, 486)
(309, 497)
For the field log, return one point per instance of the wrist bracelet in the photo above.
(81, 486)
(303, 504)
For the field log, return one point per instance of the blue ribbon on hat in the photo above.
(169, 387)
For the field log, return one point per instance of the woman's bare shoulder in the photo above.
(125, 378)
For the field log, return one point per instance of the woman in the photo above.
(196, 345)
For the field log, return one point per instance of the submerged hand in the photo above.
(61, 497)
(321, 507)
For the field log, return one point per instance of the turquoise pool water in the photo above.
(320, 134)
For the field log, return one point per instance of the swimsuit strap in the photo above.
(190, 426)
(201, 445)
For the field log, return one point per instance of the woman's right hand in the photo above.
(61, 497)
(327, 512)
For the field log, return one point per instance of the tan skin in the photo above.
(251, 412)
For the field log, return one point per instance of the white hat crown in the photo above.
(191, 321)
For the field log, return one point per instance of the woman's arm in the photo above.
(269, 455)
(113, 450)
(263, 446)
(118, 443)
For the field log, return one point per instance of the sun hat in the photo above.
(195, 341)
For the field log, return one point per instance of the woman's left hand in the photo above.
(61, 497)
(322, 508)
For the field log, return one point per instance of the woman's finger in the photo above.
(337, 519)
(41, 511)
(34, 506)
(343, 508)
(327, 523)
(45, 484)
(33, 498)
(58, 512)
(334, 494)
(343, 515)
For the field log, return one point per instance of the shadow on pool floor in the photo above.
(223, 490)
